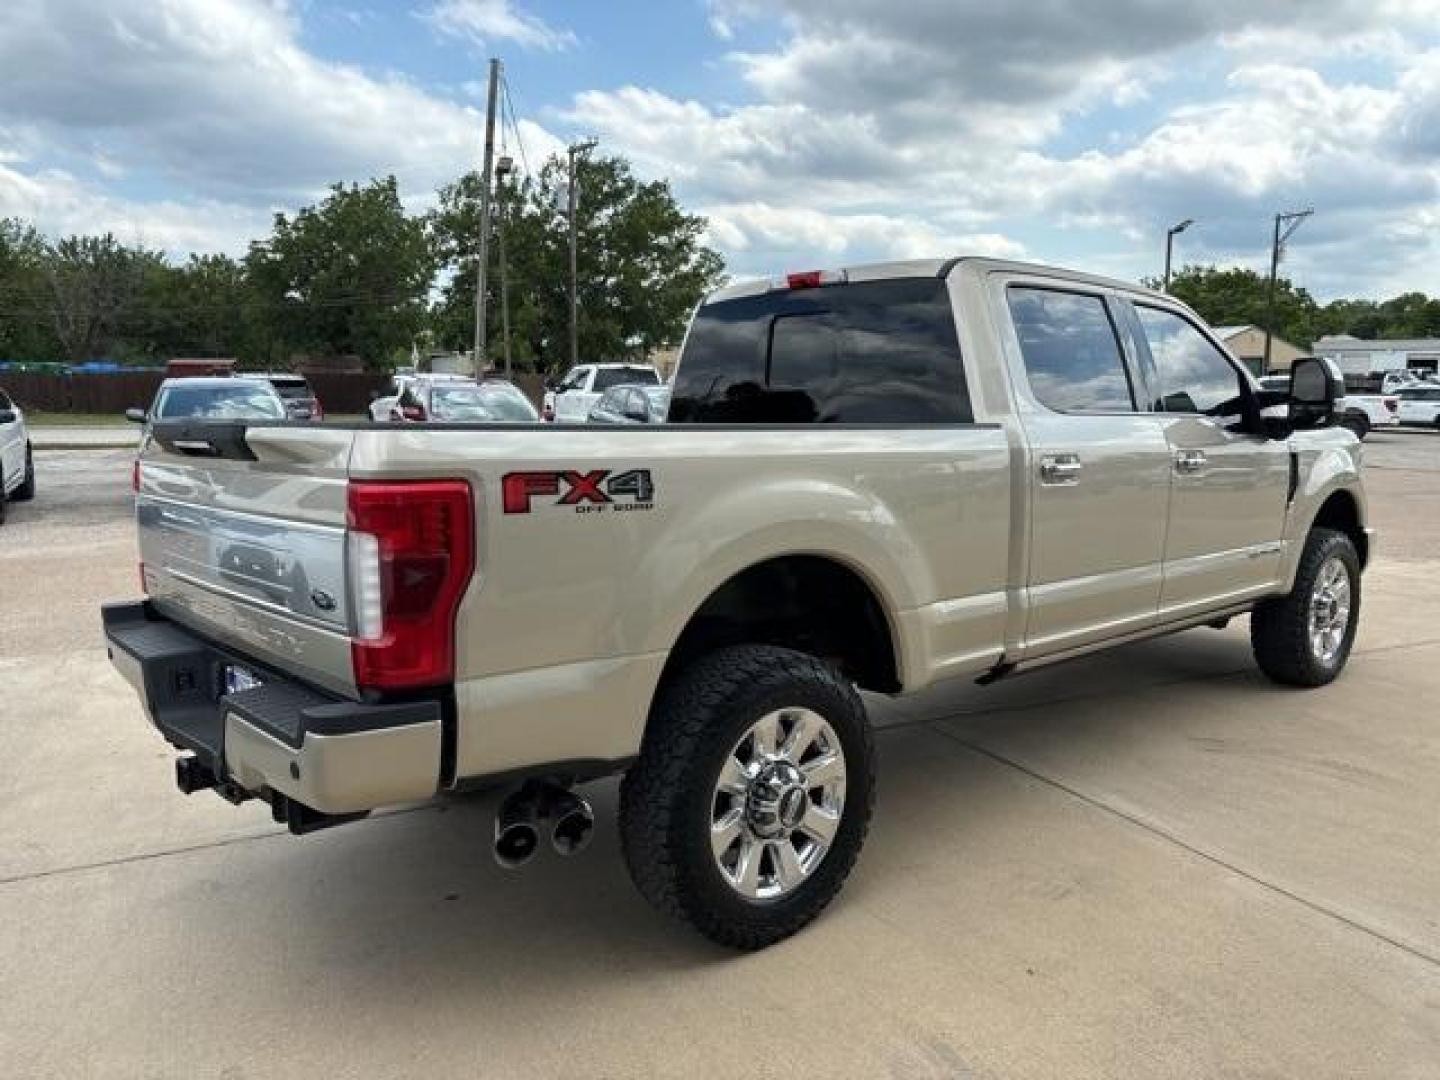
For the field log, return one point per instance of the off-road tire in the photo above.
(26, 491)
(1280, 628)
(666, 797)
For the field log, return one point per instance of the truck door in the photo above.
(1229, 487)
(1099, 468)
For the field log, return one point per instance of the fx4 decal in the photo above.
(587, 492)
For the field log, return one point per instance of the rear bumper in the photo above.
(307, 753)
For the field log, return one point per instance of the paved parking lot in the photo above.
(1148, 863)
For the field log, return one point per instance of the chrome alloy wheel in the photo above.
(777, 803)
(1329, 610)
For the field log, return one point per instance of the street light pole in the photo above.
(1285, 225)
(485, 218)
(1174, 231)
(572, 151)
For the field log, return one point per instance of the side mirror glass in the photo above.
(1315, 387)
(135, 416)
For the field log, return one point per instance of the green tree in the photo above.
(641, 264)
(348, 276)
(1237, 296)
(95, 282)
(27, 330)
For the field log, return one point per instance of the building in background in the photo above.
(1248, 345)
(1364, 363)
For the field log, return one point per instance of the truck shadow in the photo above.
(413, 901)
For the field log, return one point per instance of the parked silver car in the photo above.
(631, 404)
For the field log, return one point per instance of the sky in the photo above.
(809, 133)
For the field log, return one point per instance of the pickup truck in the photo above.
(874, 478)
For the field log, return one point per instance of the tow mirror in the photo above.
(135, 416)
(1315, 387)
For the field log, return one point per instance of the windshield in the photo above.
(499, 403)
(605, 378)
(242, 401)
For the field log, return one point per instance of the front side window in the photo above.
(1072, 356)
(1195, 376)
(880, 352)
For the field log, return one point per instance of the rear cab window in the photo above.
(878, 352)
(1072, 353)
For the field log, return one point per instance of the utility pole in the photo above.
(1175, 230)
(503, 168)
(1285, 225)
(485, 217)
(572, 151)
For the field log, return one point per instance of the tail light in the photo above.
(135, 477)
(1393, 404)
(411, 553)
(317, 411)
(412, 412)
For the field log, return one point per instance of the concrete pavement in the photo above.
(1147, 863)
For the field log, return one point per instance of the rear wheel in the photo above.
(26, 490)
(1305, 637)
(752, 795)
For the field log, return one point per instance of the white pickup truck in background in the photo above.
(1359, 412)
(879, 477)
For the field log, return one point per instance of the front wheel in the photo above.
(752, 795)
(1304, 638)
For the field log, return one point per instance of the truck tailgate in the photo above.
(246, 543)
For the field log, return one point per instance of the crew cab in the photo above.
(879, 477)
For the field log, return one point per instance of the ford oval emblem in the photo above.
(322, 599)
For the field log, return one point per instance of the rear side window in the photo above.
(1194, 375)
(605, 378)
(1072, 356)
(880, 352)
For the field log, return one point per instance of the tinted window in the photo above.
(881, 352)
(1072, 357)
(240, 401)
(1194, 375)
(605, 378)
(292, 389)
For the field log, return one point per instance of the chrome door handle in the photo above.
(1060, 469)
(1190, 461)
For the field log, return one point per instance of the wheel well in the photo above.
(804, 602)
(1342, 513)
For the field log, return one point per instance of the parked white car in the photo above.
(1420, 404)
(570, 400)
(17, 465)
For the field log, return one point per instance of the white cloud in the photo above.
(219, 97)
(62, 204)
(484, 22)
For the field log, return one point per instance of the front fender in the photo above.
(1329, 463)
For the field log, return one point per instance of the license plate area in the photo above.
(236, 679)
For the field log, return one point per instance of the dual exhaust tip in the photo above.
(519, 819)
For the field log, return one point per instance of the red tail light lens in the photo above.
(318, 410)
(412, 412)
(805, 279)
(135, 477)
(411, 553)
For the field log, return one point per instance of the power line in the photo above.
(515, 125)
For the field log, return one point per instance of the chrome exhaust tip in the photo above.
(574, 823)
(517, 830)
